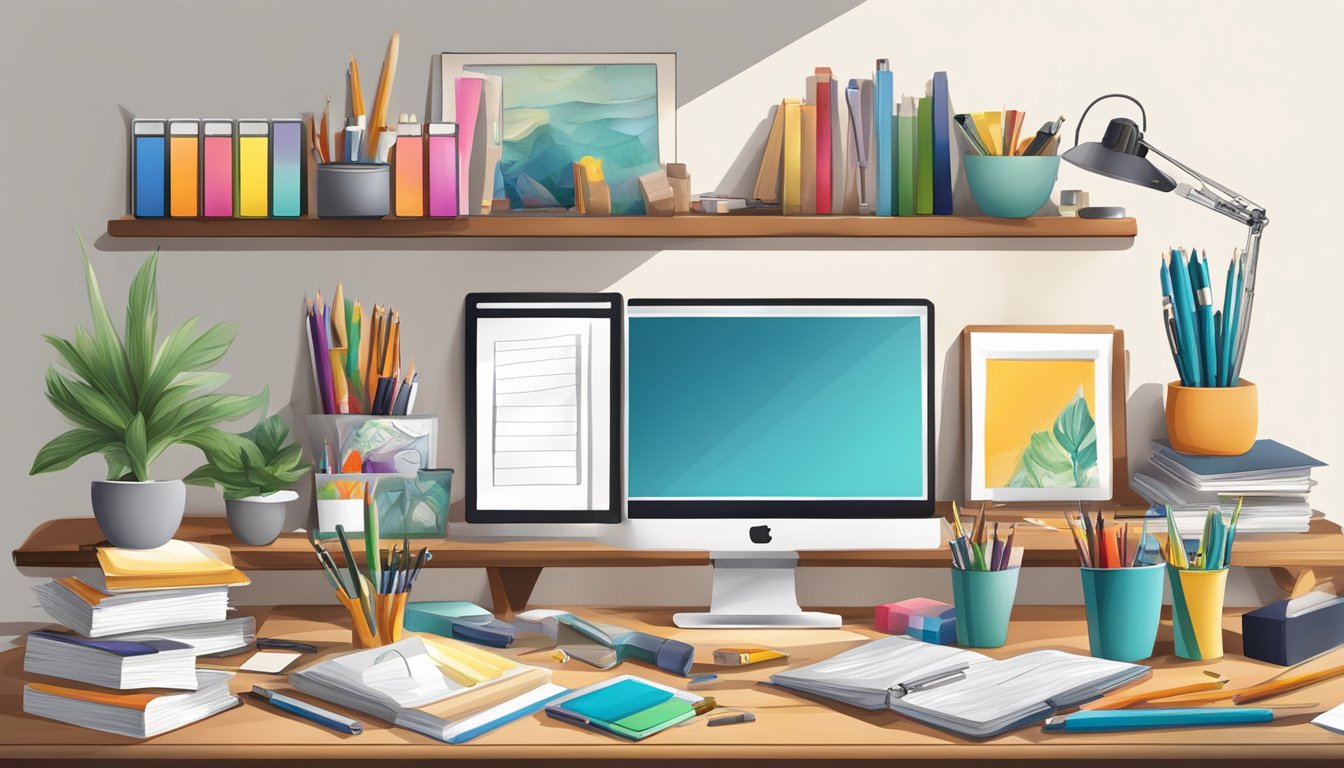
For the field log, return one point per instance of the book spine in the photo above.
(824, 139)
(882, 156)
(942, 146)
(924, 164)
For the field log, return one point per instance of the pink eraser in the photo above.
(894, 618)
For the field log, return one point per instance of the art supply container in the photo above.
(345, 512)
(389, 612)
(1012, 187)
(984, 602)
(353, 190)
(1124, 607)
(1212, 421)
(1197, 612)
(411, 505)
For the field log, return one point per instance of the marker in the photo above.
(323, 717)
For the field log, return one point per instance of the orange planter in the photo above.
(1212, 421)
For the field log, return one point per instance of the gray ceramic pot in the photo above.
(258, 520)
(138, 515)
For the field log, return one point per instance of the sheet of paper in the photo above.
(1332, 720)
(269, 662)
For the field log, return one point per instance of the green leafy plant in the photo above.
(130, 400)
(1063, 457)
(264, 461)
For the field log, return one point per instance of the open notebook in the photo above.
(445, 689)
(957, 690)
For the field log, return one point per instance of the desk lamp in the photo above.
(1122, 154)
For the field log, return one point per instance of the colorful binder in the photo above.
(468, 91)
(824, 149)
(793, 157)
(408, 165)
(883, 156)
(287, 168)
(807, 179)
(924, 162)
(443, 171)
(942, 146)
(906, 135)
(149, 149)
(217, 168)
(184, 168)
(254, 168)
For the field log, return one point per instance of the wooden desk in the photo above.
(513, 567)
(790, 729)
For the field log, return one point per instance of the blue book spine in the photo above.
(151, 176)
(884, 149)
(942, 147)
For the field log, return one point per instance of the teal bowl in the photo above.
(1011, 187)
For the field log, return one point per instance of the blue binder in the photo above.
(942, 147)
(883, 151)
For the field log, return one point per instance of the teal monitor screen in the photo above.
(756, 402)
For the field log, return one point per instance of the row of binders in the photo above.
(222, 168)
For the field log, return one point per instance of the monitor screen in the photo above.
(797, 409)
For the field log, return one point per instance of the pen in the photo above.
(1104, 720)
(275, 642)
(360, 594)
(323, 717)
(1208, 342)
(1183, 298)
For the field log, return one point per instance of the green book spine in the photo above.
(924, 165)
(905, 165)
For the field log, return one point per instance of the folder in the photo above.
(942, 145)
(924, 163)
(217, 168)
(824, 156)
(184, 168)
(857, 195)
(468, 93)
(254, 167)
(793, 157)
(883, 155)
(408, 165)
(905, 157)
(287, 168)
(768, 176)
(808, 159)
(443, 176)
(149, 152)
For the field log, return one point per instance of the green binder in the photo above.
(924, 165)
(905, 159)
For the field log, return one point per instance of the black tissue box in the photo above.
(1268, 634)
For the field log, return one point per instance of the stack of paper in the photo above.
(95, 612)
(137, 715)
(111, 663)
(1272, 479)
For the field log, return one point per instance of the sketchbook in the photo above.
(957, 690)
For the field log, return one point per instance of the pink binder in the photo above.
(468, 92)
(443, 177)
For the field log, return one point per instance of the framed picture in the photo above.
(543, 396)
(1044, 412)
(534, 114)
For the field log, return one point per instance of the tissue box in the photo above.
(1271, 634)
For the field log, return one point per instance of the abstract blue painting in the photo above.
(555, 114)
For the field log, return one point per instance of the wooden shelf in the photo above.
(690, 226)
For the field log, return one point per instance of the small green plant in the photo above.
(264, 461)
(130, 400)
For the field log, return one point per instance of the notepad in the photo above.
(536, 415)
(269, 662)
(626, 706)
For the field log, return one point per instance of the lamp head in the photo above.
(1121, 154)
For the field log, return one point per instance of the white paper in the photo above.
(269, 662)
(1332, 720)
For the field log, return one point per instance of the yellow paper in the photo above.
(990, 127)
(171, 558)
(253, 176)
(793, 156)
(464, 663)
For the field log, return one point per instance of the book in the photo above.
(942, 144)
(445, 689)
(97, 613)
(216, 638)
(459, 620)
(171, 566)
(924, 156)
(626, 706)
(138, 715)
(118, 664)
(905, 156)
(883, 161)
(768, 175)
(793, 156)
(1267, 463)
(956, 690)
(825, 150)
(807, 163)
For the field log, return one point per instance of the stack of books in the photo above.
(1273, 479)
(124, 660)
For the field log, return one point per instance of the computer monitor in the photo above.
(756, 428)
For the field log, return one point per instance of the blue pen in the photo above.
(1208, 342)
(1104, 720)
(1225, 349)
(1184, 299)
(322, 717)
(1171, 322)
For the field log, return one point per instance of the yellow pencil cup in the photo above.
(389, 612)
(1197, 612)
(1212, 421)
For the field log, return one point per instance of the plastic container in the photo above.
(410, 505)
(984, 602)
(401, 444)
(1197, 612)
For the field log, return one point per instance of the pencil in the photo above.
(356, 95)
(1284, 685)
(323, 142)
(383, 94)
(1128, 700)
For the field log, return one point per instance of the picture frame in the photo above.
(1028, 392)
(656, 75)
(543, 407)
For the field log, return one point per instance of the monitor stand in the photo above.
(755, 590)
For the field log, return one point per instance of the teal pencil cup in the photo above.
(1124, 607)
(984, 601)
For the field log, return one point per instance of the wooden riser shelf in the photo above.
(690, 226)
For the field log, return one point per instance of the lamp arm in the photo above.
(1217, 197)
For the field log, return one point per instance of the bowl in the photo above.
(1010, 187)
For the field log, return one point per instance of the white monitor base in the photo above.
(799, 620)
(755, 589)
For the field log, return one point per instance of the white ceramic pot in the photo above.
(138, 515)
(258, 520)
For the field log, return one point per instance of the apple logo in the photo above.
(760, 534)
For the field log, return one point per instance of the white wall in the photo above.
(1259, 119)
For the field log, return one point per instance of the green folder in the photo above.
(924, 165)
(905, 165)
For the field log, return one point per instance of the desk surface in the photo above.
(790, 728)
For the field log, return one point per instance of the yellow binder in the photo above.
(793, 156)
(253, 169)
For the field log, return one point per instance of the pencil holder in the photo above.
(1212, 421)
(353, 190)
(389, 612)
(984, 602)
(1012, 187)
(411, 505)
(1124, 607)
(1197, 612)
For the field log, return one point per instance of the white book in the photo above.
(118, 664)
(96, 613)
(136, 715)
(217, 638)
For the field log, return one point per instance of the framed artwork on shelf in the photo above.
(1043, 409)
(543, 405)
(524, 119)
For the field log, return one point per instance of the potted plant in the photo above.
(255, 475)
(130, 399)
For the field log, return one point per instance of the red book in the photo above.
(825, 106)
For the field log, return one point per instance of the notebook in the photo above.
(445, 689)
(96, 613)
(1269, 465)
(960, 691)
(460, 620)
(137, 715)
(216, 638)
(174, 565)
(626, 706)
(117, 664)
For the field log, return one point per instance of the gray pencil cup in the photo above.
(353, 190)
